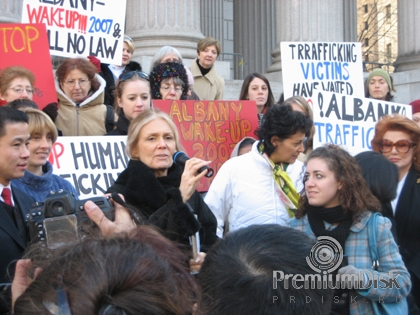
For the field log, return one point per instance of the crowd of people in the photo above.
(167, 249)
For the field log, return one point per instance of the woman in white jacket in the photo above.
(262, 187)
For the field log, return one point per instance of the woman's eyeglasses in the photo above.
(72, 83)
(167, 88)
(19, 90)
(402, 146)
(130, 74)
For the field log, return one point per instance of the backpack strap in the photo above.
(372, 237)
(109, 120)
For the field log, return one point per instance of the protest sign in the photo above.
(309, 67)
(26, 45)
(80, 28)
(209, 130)
(350, 121)
(91, 164)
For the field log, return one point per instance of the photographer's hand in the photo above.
(123, 221)
(21, 280)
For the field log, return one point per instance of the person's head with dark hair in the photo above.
(256, 87)
(381, 176)
(22, 103)
(282, 133)
(242, 147)
(139, 273)
(281, 98)
(14, 136)
(16, 82)
(237, 276)
(11, 116)
(169, 81)
(77, 78)
(298, 103)
(378, 85)
(347, 187)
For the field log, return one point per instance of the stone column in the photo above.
(306, 20)
(216, 20)
(408, 39)
(255, 33)
(350, 20)
(156, 23)
(11, 11)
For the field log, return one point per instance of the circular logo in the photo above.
(326, 255)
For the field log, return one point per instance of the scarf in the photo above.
(284, 185)
(144, 190)
(317, 216)
(203, 71)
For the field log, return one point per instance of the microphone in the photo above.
(180, 158)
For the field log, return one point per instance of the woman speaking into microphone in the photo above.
(162, 192)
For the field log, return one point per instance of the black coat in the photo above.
(121, 128)
(159, 200)
(110, 81)
(407, 218)
(13, 241)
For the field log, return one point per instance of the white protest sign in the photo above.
(79, 28)
(308, 67)
(91, 164)
(350, 121)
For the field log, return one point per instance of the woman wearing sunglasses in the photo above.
(132, 95)
(80, 93)
(398, 139)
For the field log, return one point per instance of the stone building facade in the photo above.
(251, 32)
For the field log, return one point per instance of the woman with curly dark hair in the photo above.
(262, 186)
(337, 204)
(169, 81)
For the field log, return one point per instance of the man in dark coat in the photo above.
(14, 204)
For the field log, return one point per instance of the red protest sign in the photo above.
(209, 130)
(27, 45)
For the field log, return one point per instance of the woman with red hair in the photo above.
(398, 139)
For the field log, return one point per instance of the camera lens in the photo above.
(58, 208)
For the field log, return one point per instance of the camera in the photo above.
(62, 219)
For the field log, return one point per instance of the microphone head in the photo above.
(180, 158)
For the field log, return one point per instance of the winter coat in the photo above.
(38, 187)
(358, 253)
(244, 192)
(121, 128)
(407, 218)
(209, 87)
(84, 119)
(159, 201)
